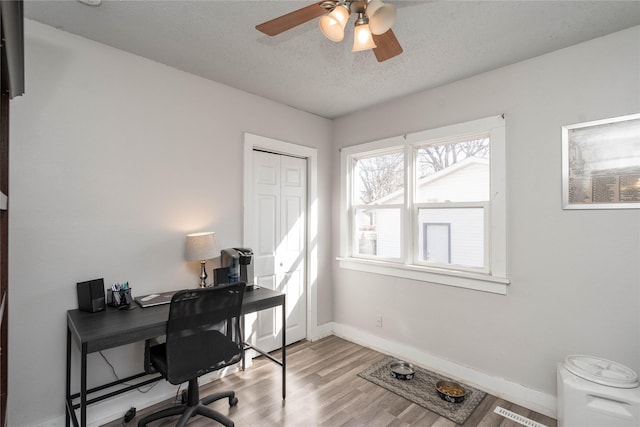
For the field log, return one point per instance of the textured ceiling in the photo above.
(443, 41)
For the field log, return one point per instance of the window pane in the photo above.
(379, 179)
(452, 236)
(454, 172)
(378, 232)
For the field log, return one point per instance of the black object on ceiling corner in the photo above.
(11, 13)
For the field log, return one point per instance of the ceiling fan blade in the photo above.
(291, 19)
(387, 46)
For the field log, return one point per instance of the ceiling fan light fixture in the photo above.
(334, 15)
(332, 25)
(362, 38)
(381, 16)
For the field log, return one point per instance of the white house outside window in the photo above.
(428, 206)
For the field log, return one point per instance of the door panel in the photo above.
(296, 319)
(267, 218)
(437, 243)
(279, 223)
(291, 252)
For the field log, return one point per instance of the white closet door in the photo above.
(279, 221)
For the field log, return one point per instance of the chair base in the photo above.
(194, 407)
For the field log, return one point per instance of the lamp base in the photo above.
(203, 274)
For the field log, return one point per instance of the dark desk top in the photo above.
(113, 327)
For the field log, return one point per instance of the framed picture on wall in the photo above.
(601, 164)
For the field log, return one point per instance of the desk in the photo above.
(110, 328)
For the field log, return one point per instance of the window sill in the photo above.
(478, 282)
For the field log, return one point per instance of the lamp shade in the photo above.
(332, 25)
(201, 246)
(381, 16)
(362, 39)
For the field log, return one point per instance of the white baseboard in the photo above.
(537, 401)
(321, 331)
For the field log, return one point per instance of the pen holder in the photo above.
(119, 298)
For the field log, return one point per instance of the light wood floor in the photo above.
(323, 389)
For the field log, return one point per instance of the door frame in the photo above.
(275, 146)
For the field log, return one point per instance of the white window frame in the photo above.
(492, 279)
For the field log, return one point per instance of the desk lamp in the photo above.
(201, 247)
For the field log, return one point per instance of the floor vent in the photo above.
(517, 418)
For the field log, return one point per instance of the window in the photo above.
(378, 185)
(428, 206)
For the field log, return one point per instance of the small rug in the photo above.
(421, 390)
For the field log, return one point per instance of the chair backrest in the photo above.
(203, 331)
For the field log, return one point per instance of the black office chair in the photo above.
(203, 335)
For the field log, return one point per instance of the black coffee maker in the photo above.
(236, 266)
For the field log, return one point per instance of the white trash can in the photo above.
(595, 392)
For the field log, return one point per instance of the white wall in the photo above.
(114, 159)
(575, 275)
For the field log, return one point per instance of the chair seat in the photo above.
(226, 353)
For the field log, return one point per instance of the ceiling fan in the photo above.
(372, 25)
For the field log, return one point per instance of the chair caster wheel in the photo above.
(233, 401)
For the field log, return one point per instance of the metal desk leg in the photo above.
(68, 385)
(284, 350)
(242, 331)
(83, 386)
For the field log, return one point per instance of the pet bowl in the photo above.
(450, 391)
(401, 370)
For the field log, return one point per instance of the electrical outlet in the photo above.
(379, 321)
